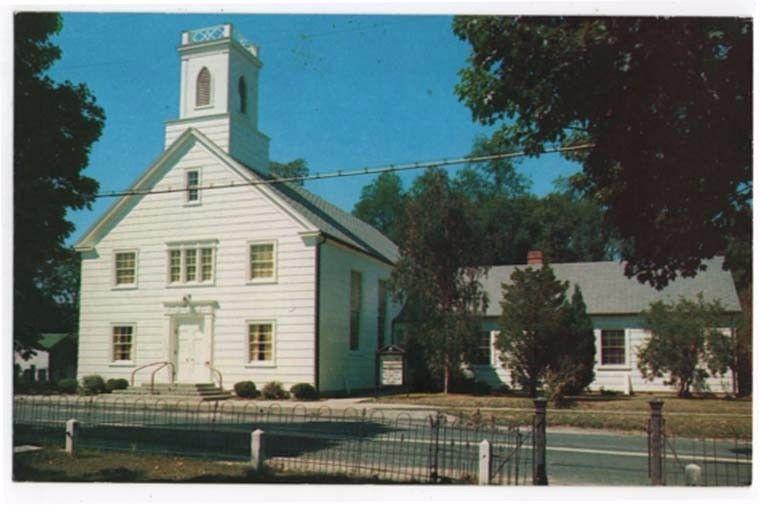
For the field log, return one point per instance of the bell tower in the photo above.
(219, 89)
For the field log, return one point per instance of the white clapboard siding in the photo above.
(232, 217)
(610, 378)
(341, 369)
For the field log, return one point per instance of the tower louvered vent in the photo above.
(203, 88)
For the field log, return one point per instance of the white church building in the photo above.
(206, 265)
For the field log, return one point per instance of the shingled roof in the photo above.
(606, 289)
(333, 221)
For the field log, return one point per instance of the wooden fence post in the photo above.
(655, 441)
(257, 450)
(72, 436)
(484, 463)
(539, 443)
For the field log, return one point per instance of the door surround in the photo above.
(187, 307)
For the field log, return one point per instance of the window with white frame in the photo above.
(191, 263)
(260, 342)
(125, 268)
(122, 343)
(262, 261)
(613, 347)
(192, 183)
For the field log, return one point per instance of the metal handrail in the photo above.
(208, 364)
(163, 363)
(153, 374)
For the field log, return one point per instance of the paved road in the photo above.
(574, 457)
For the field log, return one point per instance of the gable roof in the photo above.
(606, 289)
(306, 207)
(333, 221)
(50, 340)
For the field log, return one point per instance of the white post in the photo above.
(72, 434)
(627, 389)
(257, 450)
(484, 463)
(693, 474)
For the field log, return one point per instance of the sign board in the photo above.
(392, 369)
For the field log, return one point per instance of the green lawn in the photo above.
(54, 465)
(694, 417)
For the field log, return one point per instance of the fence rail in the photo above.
(363, 442)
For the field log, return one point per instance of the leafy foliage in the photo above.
(545, 338)
(116, 385)
(685, 343)
(381, 204)
(295, 168)
(274, 391)
(68, 386)
(246, 389)
(435, 275)
(55, 124)
(671, 162)
(303, 391)
(93, 385)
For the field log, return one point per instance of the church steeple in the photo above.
(219, 88)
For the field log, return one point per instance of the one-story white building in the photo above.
(614, 302)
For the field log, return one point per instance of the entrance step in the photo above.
(165, 391)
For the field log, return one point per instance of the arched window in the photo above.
(203, 88)
(242, 91)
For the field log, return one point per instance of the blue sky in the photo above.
(342, 92)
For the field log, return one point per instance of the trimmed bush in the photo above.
(116, 384)
(67, 386)
(274, 391)
(246, 389)
(480, 388)
(93, 385)
(304, 391)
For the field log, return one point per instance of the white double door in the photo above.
(192, 349)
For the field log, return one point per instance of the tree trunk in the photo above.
(446, 379)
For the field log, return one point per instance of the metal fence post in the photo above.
(484, 463)
(655, 441)
(72, 436)
(257, 450)
(539, 443)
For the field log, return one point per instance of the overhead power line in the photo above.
(345, 173)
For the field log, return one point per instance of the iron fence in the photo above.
(367, 442)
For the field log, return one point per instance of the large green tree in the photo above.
(685, 343)
(292, 169)
(55, 125)
(666, 103)
(381, 204)
(437, 276)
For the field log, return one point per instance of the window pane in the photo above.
(190, 265)
(122, 343)
(613, 347)
(192, 185)
(262, 260)
(355, 301)
(483, 351)
(381, 312)
(260, 343)
(125, 268)
(175, 265)
(207, 264)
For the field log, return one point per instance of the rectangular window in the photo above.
(190, 265)
(207, 264)
(122, 343)
(262, 261)
(356, 307)
(483, 351)
(125, 268)
(193, 193)
(175, 265)
(613, 347)
(382, 308)
(260, 342)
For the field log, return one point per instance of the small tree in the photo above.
(685, 343)
(534, 317)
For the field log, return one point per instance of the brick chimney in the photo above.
(535, 258)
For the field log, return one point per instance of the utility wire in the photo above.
(346, 173)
